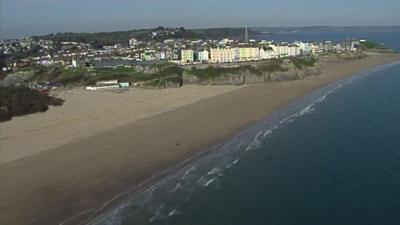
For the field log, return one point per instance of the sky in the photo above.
(20, 18)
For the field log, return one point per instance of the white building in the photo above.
(293, 50)
(203, 56)
(133, 42)
(225, 41)
(74, 63)
(267, 53)
(286, 50)
(304, 48)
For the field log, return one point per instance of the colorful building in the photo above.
(222, 55)
(249, 54)
(187, 56)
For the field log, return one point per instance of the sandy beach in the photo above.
(86, 113)
(73, 158)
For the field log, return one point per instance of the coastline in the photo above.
(80, 175)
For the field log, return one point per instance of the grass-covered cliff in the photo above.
(251, 72)
(153, 74)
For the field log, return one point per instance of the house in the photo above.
(267, 53)
(187, 56)
(203, 55)
(249, 54)
(222, 55)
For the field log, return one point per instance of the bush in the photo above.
(18, 101)
(303, 62)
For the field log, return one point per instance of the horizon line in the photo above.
(210, 27)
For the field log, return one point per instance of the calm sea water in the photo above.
(331, 157)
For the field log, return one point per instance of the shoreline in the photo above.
(84, 174)
(223, 149)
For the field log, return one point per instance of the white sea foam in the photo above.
(158, 215)
(187, 172)
(209, 182)
(267, 133)
(239, 145)
(215, 170)
(177, 187)
(173, 213)
(308, 109)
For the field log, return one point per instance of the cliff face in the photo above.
(250, 77)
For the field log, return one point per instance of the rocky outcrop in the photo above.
(19, 101)
(16, 78)
(248, 77)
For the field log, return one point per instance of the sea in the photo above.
(330, 157)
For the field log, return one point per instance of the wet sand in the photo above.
(49, 187)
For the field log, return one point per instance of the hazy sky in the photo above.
(27, 17)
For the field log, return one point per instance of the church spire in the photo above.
(246, 36)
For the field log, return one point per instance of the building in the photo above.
(133, 42)
(203, 56)
(249, 54)
(187, 56)
(267, 53)
(148, 55)
(75, 63)
(108, 85)
(293, 50)
(222, 55)
(225, 42)
(304, 48)
(314, 48)
(286, 50)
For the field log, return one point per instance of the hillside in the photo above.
(157, 34)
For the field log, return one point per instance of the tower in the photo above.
(246, 36)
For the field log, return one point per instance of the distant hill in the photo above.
(327, 28)
(157, 34)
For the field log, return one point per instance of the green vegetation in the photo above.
(212, 72)
(272, 66)
(372, 45)
(217, 33)
(101, 39)
(18, 101)
(3, 75)
(164, 82)
(299, 63)
(89, 76)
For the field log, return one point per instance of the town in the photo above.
(25, 52)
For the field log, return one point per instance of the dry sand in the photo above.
(54, 185)
(86, 113)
